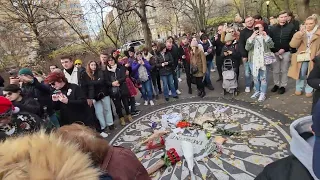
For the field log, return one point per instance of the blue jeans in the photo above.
(300, 83)
(178, 70)
(261, 81)
(167, 82)
(146, 90)
(54, 120)
(212, 65)
(207, 78)
(247, 73)
(103, 112)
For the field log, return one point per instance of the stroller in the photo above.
(229, 83)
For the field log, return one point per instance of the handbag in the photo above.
(269, 58)
(194, 69)
(100, 96)
(303, 56)
(115, 90)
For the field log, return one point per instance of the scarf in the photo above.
(112, 68)
(258, 58)
(309, 37)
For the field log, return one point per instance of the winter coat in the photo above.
(167, 69)
(21, 123)
(314, 80)
(135, 68)
(218, 43)
(120, 75)
(299, 165)
(43, 156)
(1, 81)
(40, 92)
(174, 51)
(184, 50)
(300, 42)
(244, 36)
(132, 169)
(268, 44)
(77, 109)
(96, 86)
(281, 36)
(28, 105)
(206, 47)
(235, 56)
(201, 63)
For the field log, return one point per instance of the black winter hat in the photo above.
(12, 88)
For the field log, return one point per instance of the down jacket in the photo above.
(41, 156)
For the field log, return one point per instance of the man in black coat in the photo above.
(218, 44)
(172, 48)
(281, 35)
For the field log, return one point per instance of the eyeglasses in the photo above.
(7, 94)
(231, 32)
(77, 64)
(52, 84)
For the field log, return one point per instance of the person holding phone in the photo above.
(257, 45)
(70, 100)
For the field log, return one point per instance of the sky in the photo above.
(92, 15)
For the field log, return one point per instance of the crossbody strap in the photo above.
(108, 158)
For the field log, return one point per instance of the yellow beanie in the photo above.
(78, 61)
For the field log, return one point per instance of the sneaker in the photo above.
(179, 79)
(247, 90)
(178, 92)
(282, 90)
(255, 95)
(275, 88)
(111, 127)
(213, 70)
(169, 93)
(262, 97)
(104, 135)
(167, 99)
(151, 103)
(298, 93)
(146, 103)
(137, 104)
(176, 97)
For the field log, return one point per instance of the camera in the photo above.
(256, 28)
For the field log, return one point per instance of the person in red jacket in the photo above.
(184, 55)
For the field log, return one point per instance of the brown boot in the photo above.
(122, 121)
(298, 93)
(129, 117)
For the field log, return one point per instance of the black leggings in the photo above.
(200, 84)
(188, 75)
(118, 101)
(219, 64)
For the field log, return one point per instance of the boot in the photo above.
(129, 117)
(122, 121)
(203, 93)
(190, 90)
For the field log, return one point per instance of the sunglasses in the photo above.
(7, 94)
(78, 64)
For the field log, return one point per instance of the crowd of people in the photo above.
(86, 94)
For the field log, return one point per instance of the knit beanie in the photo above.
(194, 43)
(78, 61)
(6, 107)
(25, 71)
(229, 37)
(131, 49)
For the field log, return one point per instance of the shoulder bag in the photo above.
(115, 90)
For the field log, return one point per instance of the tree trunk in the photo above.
(144, 23)
(287, 5)
(303, 8)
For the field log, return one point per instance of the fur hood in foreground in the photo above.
(44, 157)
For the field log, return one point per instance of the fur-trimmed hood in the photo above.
(44, 157)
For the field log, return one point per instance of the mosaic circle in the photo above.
(242, 157)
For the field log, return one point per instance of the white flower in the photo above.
(69, 92)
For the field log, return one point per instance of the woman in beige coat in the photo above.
(305, 40)
(198, 65)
